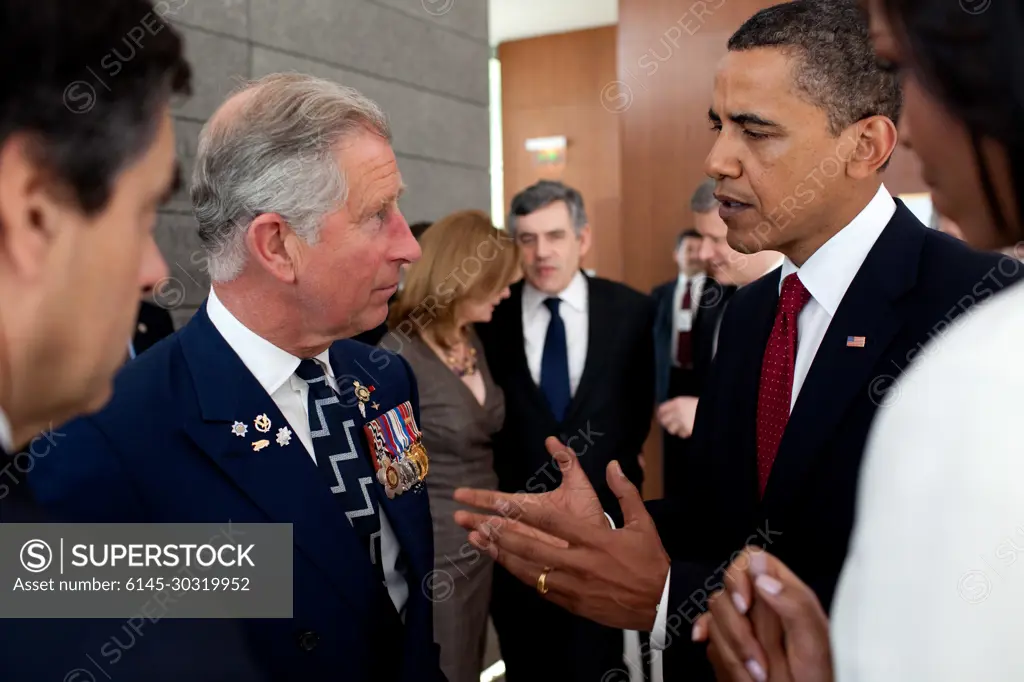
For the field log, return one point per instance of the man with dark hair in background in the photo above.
(727, 270)
(573, 356)
(679, 318)
(83, 167)
(806, 124)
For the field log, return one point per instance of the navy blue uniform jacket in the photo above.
(163, 451)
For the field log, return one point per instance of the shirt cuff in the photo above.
(661, 621)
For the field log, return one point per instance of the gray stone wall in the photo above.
(423, 61)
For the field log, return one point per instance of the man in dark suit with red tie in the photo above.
(680, 325)
(806, 125)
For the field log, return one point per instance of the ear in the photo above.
(275, 246)
(867, 145)
(31, 214)
(585, 238)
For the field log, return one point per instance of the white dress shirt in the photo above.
(575, 313)
(682, 320)
(931, 588)
(827, 275)
(6, 435)
(275, 369)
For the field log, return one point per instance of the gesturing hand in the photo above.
(766, 626)
(575, 497)
(614, 577)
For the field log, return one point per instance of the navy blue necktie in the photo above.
(554, 364)
(349, 475)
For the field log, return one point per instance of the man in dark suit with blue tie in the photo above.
(259, 410)
(573, 355)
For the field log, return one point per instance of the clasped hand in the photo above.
(766, 625)
(611, 576)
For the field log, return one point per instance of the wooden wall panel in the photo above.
(551, 86)
(667, 55)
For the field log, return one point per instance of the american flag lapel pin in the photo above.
(855, 341)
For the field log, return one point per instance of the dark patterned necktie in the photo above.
(349, 474)
(776, 388)
(684, 341)
(554, 363)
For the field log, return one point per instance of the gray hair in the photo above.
(703, 199)
(275, 154)
(836, 70)
(543, 194)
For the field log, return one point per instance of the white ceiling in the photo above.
(514, 19)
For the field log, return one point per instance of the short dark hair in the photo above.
(686, 234)
(86, 81)
(837, 69)
(419, 228)
(545, 193)
(968, 56)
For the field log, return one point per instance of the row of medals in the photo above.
(400, 475)
(404, 474)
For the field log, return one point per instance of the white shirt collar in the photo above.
(827, 274)
(575, 294)
(6, 435)
(272, 366)
(683, 278)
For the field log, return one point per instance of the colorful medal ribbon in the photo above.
(401, 458)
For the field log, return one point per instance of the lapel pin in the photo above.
(260, 444)
(856, 341)
(363, 395)
(262, 423)
(375, 406)
(239, 429)
(284, 436)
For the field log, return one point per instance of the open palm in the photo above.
(574, 496)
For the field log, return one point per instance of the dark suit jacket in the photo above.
(163, 451)
(609, 418)
(142, 650)
(610, 414)
(913, 282)
(712, 301)
(153, 324)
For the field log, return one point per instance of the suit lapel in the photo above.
(283, 481)
(765, 296)
(663, 321)
(839, 373)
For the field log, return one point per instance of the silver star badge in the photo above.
(239, 429)
(284, 436)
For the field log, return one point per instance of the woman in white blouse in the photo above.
(932, 588)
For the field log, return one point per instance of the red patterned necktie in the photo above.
(684, 342)
(776, 388)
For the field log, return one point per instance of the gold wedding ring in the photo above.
(542, 581)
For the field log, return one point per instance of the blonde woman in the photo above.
(464, 272)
